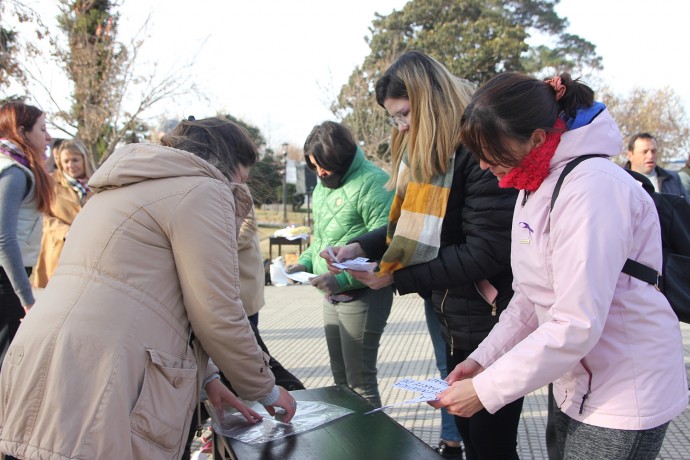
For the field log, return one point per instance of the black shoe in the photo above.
(446, 451)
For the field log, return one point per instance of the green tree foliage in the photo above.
(9, 66)
(474, 39)
(265, 176)
(658, 112)
(254, 133)
(266, 179)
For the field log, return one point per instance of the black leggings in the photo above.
(11, 313)
(488, 436)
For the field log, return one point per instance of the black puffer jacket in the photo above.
(475, 245)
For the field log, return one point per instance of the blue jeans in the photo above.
(353, 335)
(449, 432)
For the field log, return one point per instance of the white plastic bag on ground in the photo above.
(277, 271)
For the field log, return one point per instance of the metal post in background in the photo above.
(285, 158)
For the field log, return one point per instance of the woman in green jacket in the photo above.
(350, 199)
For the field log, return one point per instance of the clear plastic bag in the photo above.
(309, 415)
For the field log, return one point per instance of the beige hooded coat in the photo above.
(102, 365)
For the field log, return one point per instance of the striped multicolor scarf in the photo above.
(416, 218)
(78, 185)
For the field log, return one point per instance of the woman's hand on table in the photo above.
(218, 394)
(287, 402)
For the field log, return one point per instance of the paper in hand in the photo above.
(428, 389)
(300, 277)
(360, 264)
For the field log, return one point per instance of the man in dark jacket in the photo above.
(684, 175)
(642, 158)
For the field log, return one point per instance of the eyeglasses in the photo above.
(399, 120)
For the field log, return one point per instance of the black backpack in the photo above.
(674, 218)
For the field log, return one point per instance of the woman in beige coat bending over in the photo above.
(74, 168)
(111, 359)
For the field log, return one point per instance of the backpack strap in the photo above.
(642, 272)
(631, 267)
(569, 167)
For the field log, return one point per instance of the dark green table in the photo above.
(353, 437)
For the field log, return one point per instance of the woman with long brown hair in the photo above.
(25, 193)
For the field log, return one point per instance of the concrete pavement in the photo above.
(292, 327)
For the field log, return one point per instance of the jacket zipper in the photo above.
(494, 308)
(445, 320)
(589, 386)
(524, 198)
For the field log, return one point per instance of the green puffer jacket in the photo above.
(359, 205)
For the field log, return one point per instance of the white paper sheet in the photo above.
(428, 389)
(360, 264)
(300, 277)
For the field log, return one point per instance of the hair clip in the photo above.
(558, 87)
(191, 118)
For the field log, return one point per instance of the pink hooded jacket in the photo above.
(610, 343)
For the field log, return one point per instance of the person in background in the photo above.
(610, 343)
(684, 176)
(147, 289)
(350, 199)
(74, 167)
(51, 162)
(252, 274)
(26, 193)
(642, 158)
(449, 231)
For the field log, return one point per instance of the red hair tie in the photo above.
(557, 86)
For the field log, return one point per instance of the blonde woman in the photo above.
(74, 167)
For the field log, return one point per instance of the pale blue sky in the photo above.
(276, 63)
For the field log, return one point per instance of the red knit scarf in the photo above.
(534, 168)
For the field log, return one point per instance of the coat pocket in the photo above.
(166, 399)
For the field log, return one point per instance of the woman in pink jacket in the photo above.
(610, 343)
